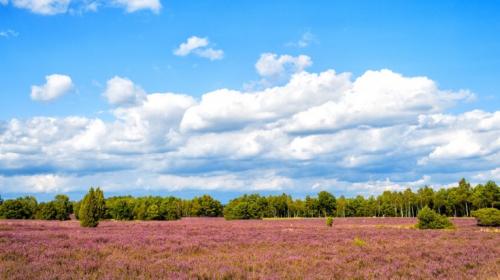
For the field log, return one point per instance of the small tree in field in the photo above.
(329, 221)
(429, 219)
(92, 208)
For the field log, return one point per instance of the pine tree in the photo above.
(92, 208)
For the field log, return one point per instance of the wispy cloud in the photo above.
(305, 40)
(8, 33)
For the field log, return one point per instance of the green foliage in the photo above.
(76, 209)
(120, 208)
(206, 206)
(170, 209)
(20, 208)
(58, 209)
(487, 217)
(486, 196)
(326, 203)
(329, 221)
(359, 242)
(247, 207)
(46, 211)
(92, 208)
(429, 219)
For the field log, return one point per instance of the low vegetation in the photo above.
(429, 219)
(212, 248)
(487, 217)
(329, 221)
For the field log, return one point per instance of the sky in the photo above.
(228, 97)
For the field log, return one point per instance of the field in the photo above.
(212, 248)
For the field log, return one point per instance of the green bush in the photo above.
(329, 221)
(429, 219)
(359, 242)
(19, 208)
(487, 217)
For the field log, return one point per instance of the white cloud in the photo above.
(56, 85)
(74, 7)
(377, 98)
(136, 5)
(191, 44)
(122, 91)
(272, 65)
(8, 33)
(325, 130)
(198, 46)
(45, 183)
(229, 109)
(43, 7)
(210, 53)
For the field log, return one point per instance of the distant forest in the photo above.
(456, 201)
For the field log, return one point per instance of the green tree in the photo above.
(92, 208)
(19, 208)
(326, 203)
(206, 206)
(485, 196)
(247, 207)
(46, 211)
(153, 212)
(63, 207)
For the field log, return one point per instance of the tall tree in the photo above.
(92, 208)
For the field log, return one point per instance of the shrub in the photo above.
(429, 219)
(329, 221)
(487, 217)
(359, 242)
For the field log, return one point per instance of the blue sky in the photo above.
(111, 56)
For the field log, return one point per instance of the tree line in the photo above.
(456, 201)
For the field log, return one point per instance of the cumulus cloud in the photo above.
(122, 91)
(229, 109)
(198, 46)
(381, 130)
(56, 85)
(272, 65)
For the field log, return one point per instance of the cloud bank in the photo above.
(327, 130)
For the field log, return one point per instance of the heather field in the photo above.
(212, 248)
